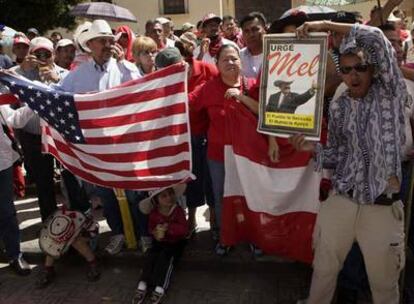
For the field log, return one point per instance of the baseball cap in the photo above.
(186, 26)
(63, 43)
(21, 39)
(163, 20)
(40, 43)
(33, 30)
(211, 16)
(167, 56)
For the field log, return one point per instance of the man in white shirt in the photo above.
(254, 27)
(100, 73)
(210, 45)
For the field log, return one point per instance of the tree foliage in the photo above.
(41, 14)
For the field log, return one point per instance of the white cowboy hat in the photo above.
(146, 204)
(60, 231)
(98, 28)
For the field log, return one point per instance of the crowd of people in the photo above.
(368, 114)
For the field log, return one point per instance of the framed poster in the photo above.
(292, 85)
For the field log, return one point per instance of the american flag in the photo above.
(134, 136)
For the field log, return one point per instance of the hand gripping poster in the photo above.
(292, 85)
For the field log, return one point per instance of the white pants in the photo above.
(379, 231)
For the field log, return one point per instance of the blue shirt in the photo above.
(366, 135)
(91, 77)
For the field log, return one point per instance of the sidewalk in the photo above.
(201, 277)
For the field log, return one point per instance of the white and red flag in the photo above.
(272, 205)
(134, 136)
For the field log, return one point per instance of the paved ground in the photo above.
(201, 278)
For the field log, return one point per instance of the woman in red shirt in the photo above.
(211, 98)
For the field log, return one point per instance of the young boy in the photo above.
(169, 227)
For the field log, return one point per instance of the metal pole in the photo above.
(127, 222)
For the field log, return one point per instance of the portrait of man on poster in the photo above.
(286, 101)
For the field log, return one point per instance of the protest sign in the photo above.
(292, 85)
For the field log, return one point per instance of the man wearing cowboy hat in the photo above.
(107, 69)
(285, 101)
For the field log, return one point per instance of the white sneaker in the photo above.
(115, 244)
(146, 243)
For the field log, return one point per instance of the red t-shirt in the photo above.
(210, 97)
(201, 73)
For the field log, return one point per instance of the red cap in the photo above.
(211, 16)
(20, 39)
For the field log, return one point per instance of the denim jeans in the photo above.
(217, 179)
(9, 228)
(140, 220)
(111, 210)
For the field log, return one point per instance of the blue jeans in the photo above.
(9, 228)
(111, 210)
(217, 179)
(140, 220)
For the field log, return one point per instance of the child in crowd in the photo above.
(169, 227)
(61, 231)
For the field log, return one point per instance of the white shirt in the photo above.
(15, 119)
(207, 57)
(251, 64)
(90, 77)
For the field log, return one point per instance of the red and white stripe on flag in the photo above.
(137, 134)
(273, 206)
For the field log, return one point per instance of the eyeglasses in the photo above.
(361, 68)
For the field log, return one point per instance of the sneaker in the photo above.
(156, 297)
(221, 250)
(93, 273)
(20, 266)
(256, 251)
(45, 278)
(115, 244)
(146, 243)
(139, 296)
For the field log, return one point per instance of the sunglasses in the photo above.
(361, 68)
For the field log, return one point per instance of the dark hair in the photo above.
(254, 15)
(183, 51)
(56, 34)
(224, 47)
(228, 18)
(387, 26)
(199, 23)
(155, 197)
